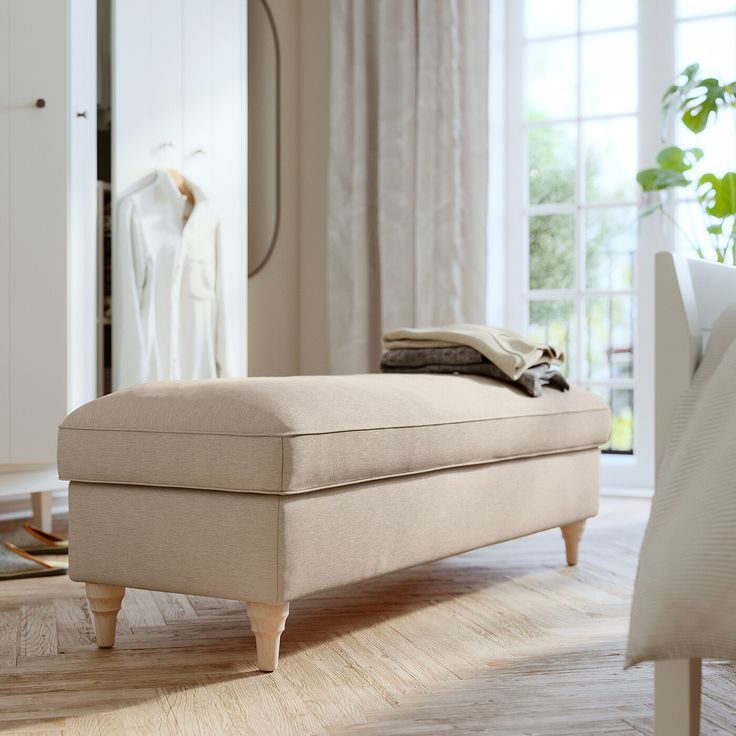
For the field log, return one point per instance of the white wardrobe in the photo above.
(178, 101)
(47, 205)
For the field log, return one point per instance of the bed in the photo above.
(691, 295)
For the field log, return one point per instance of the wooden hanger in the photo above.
(181, 184)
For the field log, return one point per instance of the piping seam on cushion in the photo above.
(281, 435)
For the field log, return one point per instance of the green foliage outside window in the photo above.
(552, 262)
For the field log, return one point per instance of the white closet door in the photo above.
(164, 85)
(199, 86)
(132, 143)
(38, 237)
(146, 105)
(82, 250)
(4, 232)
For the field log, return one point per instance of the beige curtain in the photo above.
(408, 170)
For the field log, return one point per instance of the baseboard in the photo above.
(19, 507)
(625, 492)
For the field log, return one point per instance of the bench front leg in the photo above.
(267, 621)
(572, 534)
(105, 602)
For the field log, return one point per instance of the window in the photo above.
(704, 33)
(583, 81)
(577, 131)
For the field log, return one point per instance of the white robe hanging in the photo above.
(168, 316)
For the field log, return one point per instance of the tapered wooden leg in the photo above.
(572, 534)
(105, 602)
(267, 621)
(677, 697)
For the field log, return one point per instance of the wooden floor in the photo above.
(505, 640)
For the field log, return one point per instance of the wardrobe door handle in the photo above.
(40, 102)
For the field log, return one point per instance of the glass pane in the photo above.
(610, 235)
(597, 14)
(553, 323)
(552, 252)
(710, 43)
(691, 230)
(691, 234)
(689, 8)
(621, 401)
(609, 76)
(550, 17)
(609, 160)
(608, 338)
(551, 79)
(552, 159)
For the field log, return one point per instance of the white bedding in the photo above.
(685, 595)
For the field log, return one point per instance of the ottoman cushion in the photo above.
(298, 434)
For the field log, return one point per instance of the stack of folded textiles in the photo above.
(494, 352)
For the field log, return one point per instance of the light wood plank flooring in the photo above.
(505, 640)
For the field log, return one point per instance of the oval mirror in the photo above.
(264, 135)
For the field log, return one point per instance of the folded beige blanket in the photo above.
(506, 349)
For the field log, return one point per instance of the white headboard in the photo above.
(690, 295)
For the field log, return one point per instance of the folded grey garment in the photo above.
(465, 360)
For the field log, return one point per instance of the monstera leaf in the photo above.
(708, 96)
(676, 93)
(674, 158)
(718, 196)
(673, 162)
(697, 99)
(656, 180)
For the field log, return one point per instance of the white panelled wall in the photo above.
(180, 101)
(47, 256)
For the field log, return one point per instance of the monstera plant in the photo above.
(696, 102)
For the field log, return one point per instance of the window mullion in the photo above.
(655, 30)
(517, 269)
(579, 195)
(656, 70)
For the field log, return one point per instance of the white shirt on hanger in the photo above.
(167, 290)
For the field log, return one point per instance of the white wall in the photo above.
(287, 299)
(314, 145)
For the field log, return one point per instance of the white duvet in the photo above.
(685, 595)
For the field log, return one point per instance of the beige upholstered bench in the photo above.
(266, 490)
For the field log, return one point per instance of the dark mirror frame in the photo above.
(252, 271)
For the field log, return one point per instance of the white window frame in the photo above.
(508, 268)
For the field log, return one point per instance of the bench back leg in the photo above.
(267, 621)
(572, 534)
(105, 602)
